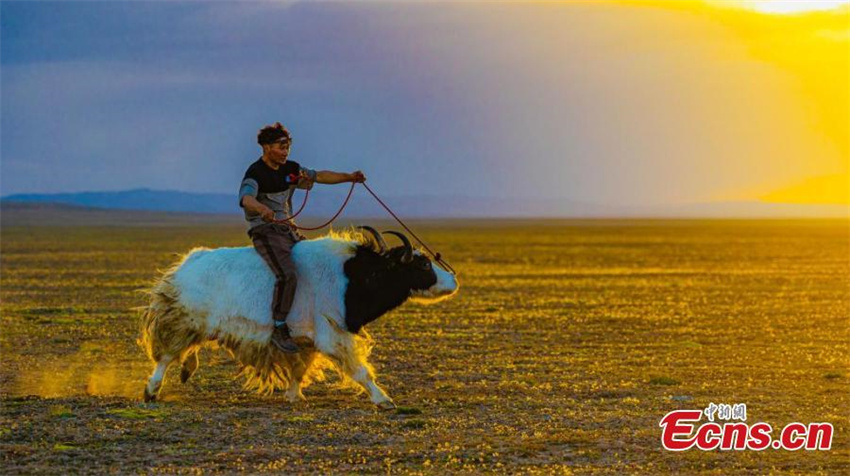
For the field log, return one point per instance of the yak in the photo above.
(222, 297)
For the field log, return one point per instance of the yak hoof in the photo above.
(148, 396)
(386, 405)
(185, 374)
(190, 365)
(295, 397)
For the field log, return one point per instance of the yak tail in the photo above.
(164, 322)
(147, 321)
(159, 319)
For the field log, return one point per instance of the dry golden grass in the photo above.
(567, 344)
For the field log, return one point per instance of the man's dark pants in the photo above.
(274, 243)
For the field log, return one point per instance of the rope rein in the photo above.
(288, 221)
(437, 257)
(292, 224)
(301, 208)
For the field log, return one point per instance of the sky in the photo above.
(612, 103)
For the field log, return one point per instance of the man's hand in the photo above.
(357, 176)
(267, 214)
(254, 206)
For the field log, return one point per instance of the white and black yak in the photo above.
(223, 297)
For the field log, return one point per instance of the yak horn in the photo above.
(379, 240)
(408, 250)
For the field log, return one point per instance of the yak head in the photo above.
(381, 278)
(429, 283)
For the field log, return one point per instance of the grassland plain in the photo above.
(567, 344)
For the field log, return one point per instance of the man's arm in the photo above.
(331, 177)
(253, 205)
(248, 198)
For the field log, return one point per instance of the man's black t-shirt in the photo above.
(273, 181)
(274, 188)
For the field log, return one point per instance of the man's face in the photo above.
(279, 151)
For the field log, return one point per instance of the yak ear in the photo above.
(392, 258)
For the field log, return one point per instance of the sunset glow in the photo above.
(794, 6)
(827, 189)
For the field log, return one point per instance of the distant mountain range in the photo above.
(326, 202)
(323, 203)
(138, 199)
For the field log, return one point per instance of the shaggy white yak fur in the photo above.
(222, 296)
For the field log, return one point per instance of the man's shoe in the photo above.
(283, 341)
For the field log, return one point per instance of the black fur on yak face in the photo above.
(379, 280)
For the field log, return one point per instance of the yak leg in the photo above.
(190, 365)
(341, 347)
(299, 369)
(155, 382)
(362, 373)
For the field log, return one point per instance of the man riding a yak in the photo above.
(323, 291)
(266, 197)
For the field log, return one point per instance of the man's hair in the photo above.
(273, 133)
